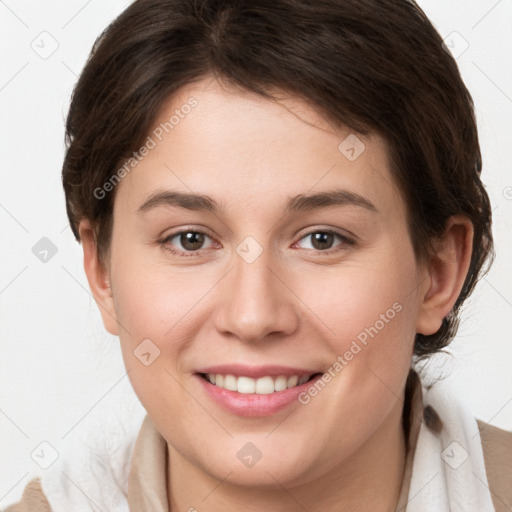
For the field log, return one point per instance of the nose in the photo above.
(256, 301)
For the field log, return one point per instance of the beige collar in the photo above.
(147, 482)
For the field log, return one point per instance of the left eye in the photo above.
(323, 240)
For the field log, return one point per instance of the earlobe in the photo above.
(447, 272)
(98, 278)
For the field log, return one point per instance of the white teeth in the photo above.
(230, 383)
(261, 386)
(264, 386)
(292, 381)
(246, 385)
(280, 383)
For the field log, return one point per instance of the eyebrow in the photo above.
(193, 202)
(299, 203)
(336, 197)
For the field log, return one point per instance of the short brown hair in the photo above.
(371, 65)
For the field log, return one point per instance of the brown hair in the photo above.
(372, 65)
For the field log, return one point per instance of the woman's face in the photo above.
(257, 246)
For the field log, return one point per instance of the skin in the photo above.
(295, 305)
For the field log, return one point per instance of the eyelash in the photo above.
(346, 242)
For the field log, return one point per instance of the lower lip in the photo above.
(253, 404)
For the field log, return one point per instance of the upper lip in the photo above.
(255, 372)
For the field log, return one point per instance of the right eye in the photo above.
(190, 241)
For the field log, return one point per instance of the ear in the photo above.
(447, 272)
(98, 277)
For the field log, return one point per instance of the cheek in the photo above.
(370, 314)
(368, 317)
(161, 310)
(160, 306)
(158, 311)
(362, 303)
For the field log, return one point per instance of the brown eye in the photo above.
(191, 240)
(187, 242)
(322, 241)
(325, 240)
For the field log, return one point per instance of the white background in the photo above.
(61, 375)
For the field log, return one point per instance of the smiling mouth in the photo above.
(261, 386)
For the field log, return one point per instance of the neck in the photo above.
(370, 479)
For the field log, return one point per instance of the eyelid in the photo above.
(187, 229)
(344, 233)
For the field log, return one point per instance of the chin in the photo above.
(269, 466)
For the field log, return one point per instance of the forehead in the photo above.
(237, 146)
